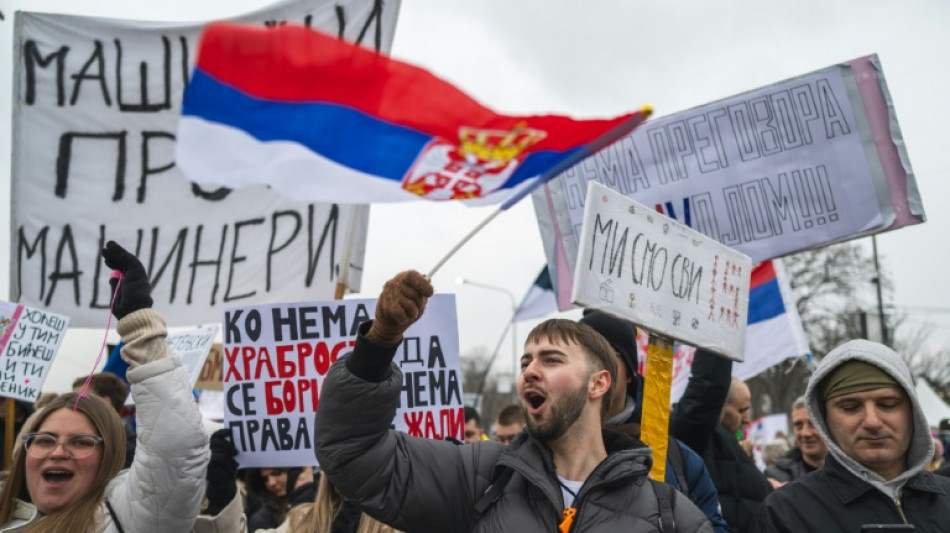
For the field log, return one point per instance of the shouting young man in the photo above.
(564, 472)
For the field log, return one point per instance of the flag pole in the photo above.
(463, 241)
(595, 146)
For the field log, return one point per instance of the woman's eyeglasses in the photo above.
(78, 446)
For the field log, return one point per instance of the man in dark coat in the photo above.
(706, 419)
(808, 454)
(563, 473)
(862, 401)
(685, 470)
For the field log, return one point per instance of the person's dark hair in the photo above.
(257, 486)
(511, 414)
(106, 385)
(472, 414)
(600, 355)
(621, 334)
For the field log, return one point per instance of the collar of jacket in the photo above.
(792, 456)
(626, 459)
(848, 487)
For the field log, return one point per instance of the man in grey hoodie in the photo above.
(862, 401)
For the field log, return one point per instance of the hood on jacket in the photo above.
(921, 445)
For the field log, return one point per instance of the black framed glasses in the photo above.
(78, 446)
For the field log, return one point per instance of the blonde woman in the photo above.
(329, 513)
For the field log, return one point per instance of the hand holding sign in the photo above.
(135, 290)
(401, 303)
(221, 472)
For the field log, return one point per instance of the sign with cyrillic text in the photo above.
(209, 378)
(96, 108)
(29, 340)
(799, 164)
(660, 274)
(192, 347)
(277, 356)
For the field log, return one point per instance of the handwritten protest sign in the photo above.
(210, 376)
(97, 103)
(277, 356)
(661, 274)
(29, 339)
(795, 165)
(191, 347)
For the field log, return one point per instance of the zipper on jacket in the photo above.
(900, 509)
(578, 503)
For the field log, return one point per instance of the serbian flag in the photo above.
(774, 332)
(540, 300)
(319, 119)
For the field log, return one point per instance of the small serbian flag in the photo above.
(775, 331)
(319, 119)
(540, 300)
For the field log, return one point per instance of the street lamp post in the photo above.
(511, 326)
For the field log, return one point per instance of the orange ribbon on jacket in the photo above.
(567, 518)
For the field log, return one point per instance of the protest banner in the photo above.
(96, 108)
(795, 165)
(29, 339)
(191, 347)
(211, 375)
(661, 274)
(667, 278)
(277, 356)
(774, 330)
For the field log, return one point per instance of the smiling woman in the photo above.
(54, 466)
(67, 467)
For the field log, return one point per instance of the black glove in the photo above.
(222, 472)
(401, 303)
(135, 290)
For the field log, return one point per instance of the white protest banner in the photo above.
(795, 165)
(96, 108)
(29, 339)
(661, 274)
(277, 356)
(191, 347)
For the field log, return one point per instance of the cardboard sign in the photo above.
(210, 376)
(96, 109)
(799, 164)
(29, 340)
(661, 274)
(277, 356)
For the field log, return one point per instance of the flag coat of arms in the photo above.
(319, 119)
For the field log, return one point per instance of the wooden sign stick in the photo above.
(655, 424)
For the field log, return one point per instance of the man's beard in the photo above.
(562, 415)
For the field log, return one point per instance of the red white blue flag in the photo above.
(319, 119)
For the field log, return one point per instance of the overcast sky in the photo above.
(598, 59)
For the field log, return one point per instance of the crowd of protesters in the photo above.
(566, 457)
